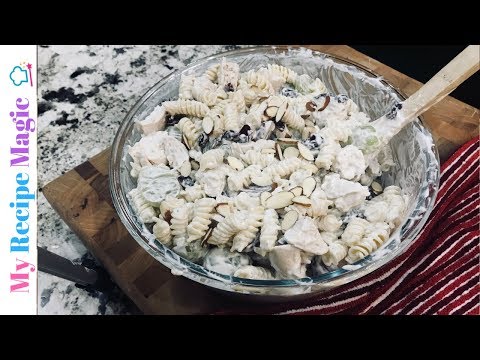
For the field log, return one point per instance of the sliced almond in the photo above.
(235, 163)
(278, 150)
(265, 117)
(302, 200)
(262, 180)
(310, 167)
(311, 106)
(290, 152)
(279, 200)
(305, 116)
(281, 111)
(207, 236)
(288, 141)
(207, 125)
(223, 209)
(325, 104)
(271, 111)
(185, 141)
(305, 152)
(275, 101)
(297, 191)
(376, 187)
(308, 185)
(268, 151)
(264, 196)
(186, 168)
(289, 220)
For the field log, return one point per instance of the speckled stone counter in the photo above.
(84, 92)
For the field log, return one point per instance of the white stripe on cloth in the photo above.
(436, 292)
(321, 307)
(474, 144)
(444, 253)
(451, 291)
(464, 300)
(454, 182)
(460, 204)
(462, 209)
(395, 304)
(423, 260)
(399, 281)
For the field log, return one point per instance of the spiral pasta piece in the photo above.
(185, 87)
(187, 127)
(231, 225)
(354, 231)
(292, 119)
(179, 221)
(244, 237)
(145, 211)
(162, 233)
(288, 74)
(270, 229)
(261, 82)
(231, 118)
(186, 107)
(253, 157)
(202, 212)
(284, 167)
(373, 239)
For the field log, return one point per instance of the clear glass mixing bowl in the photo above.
(417, 171)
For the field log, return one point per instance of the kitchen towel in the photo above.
(438, 274)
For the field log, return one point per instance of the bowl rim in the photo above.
(226, 282)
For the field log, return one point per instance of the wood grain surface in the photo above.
(82, 198)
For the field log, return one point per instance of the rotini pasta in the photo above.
(284, 167)
(255, 79)
(375, 236)
(231, 225)
(288, 75)
(269, 230)
(262, 174)
(211, 159)
(186, 107)
(253, 157)
(242, 179)
(185, 87)
(161, 230)
(244, 237)
(187, 127)
(202, 213)
(145, 211)
(179, 221)
(231, 118)
(253, 272)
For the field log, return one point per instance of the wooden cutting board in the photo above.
(82, 198)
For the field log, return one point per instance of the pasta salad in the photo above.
(263, 174)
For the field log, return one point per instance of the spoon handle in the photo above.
(440, 85)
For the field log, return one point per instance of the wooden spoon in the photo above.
(443, 83)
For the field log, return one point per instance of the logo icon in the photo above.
(21, 74)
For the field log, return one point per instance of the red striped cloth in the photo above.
(438, 274)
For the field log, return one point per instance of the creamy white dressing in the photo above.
(346, 162)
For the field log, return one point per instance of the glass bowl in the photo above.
(417, 171)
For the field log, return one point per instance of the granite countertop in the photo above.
(84, 93)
